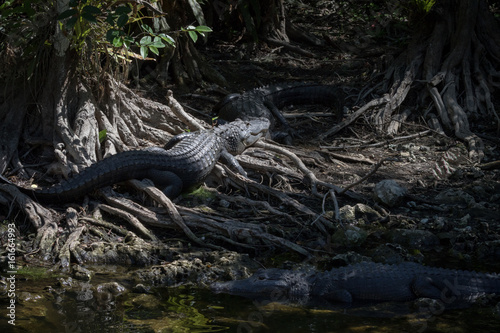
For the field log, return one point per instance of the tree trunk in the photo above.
(455, 53)
(273, 25)
(70, 113)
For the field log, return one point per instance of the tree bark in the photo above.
(453, 58)
(273, 25)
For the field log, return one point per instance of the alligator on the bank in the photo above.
(266, 101)
(186, 160)
(366, 282)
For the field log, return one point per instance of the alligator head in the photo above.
(240, 134)
(269, 284)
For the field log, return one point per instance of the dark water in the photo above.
(187, 309)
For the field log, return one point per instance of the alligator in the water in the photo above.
(266, 101)
(366, 282)
(186, 160)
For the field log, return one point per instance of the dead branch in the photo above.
(372, 104)
(369, 174)
(183, 115)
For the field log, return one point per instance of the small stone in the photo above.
(389, 192)
(141, 289)
(224, 203)
(414, 239)
(81, 273)
(351, 236)
(452, 196)
(113, 288)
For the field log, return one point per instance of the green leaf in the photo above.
(127, 41)
(122, 20)
(193, 35)
(112, 34)
(146, 40)
(147, 28)
(117, 42)
(167, 39)
(123, 10)
(67, 13)
(154, 50)
(89, 17)
(111, 19)
(102, 135)
(91, 10)
(144, 52)
(158, 43)
(71, 22)
(203, 28)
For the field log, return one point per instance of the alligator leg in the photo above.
(232, 162)
(277, 113)
(339, 295)
(425, 286)
(288, 133)
(167, 181)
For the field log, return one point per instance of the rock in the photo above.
(141, 289)
(65, 282)
(359, 213)
(389, 192)
(387, 254)
(414, 239)
(81, 273)
(348, 258)
(113, 288)
(146, 302)
(25, 296)
(350, 236)
(453, 196)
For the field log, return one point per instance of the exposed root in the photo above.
(309, 176)
(455, 82)
(131, 219)
(183, 115)
(162, 199)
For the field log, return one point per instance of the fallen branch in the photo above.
(335, 129)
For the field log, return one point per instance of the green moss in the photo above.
(201, 193)
(36, 273)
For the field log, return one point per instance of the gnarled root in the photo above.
(454, 82)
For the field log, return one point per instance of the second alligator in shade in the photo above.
(366, 282)
(266, 101)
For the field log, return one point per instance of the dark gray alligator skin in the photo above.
(188, 159)
(367, 282)
(264, 101)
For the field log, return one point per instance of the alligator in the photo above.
(266, 101)
(186, 160)
(365, 282)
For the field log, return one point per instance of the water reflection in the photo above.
(110, 309)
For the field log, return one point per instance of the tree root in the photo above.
(427, 61)
(309, 177)
(129, 120)
(217, 226)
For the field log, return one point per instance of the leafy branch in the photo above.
(85, 18)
